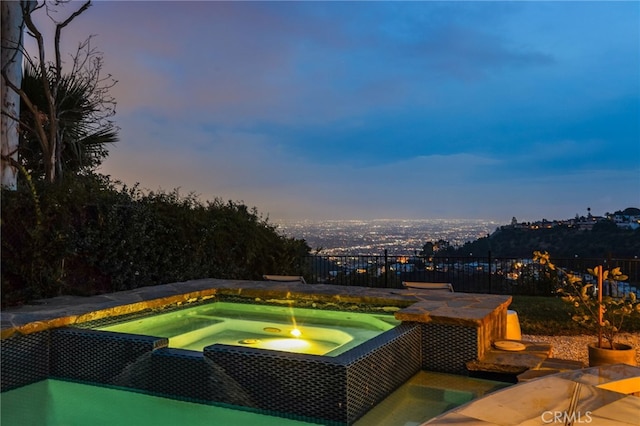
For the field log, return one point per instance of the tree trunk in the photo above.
(12, 67)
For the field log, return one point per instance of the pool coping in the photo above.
(424, 306)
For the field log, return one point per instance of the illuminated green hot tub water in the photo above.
(282, 328)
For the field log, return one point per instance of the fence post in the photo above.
(490, 269)
(386, 269)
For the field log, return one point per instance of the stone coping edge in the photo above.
(464, 309)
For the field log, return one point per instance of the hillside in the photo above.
(604, 240)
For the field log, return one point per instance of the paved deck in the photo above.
(595, 396)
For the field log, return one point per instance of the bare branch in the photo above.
(23, 125)
(75, 14)
(58, 34)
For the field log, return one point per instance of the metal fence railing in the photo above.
(470, 274)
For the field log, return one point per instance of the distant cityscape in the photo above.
(373, 237)
(407, 237)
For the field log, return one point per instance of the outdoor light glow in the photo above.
(289, 345)
(296, 333)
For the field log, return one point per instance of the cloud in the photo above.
(378, 109)
(237, 63)
(471, 54)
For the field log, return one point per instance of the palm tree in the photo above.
(64, 120)
(83, 125)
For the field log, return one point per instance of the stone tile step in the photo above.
(550, 366)
(512, 362)
(536, 374)
(562, 364)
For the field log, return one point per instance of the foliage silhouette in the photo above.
(88, 235)
(604, 240)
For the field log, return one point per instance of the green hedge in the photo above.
(88, 235)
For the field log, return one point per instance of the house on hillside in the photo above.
(629, 218)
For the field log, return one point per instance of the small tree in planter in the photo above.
(605, 315)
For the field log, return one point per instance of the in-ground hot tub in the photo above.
(437, 333)
(241, 351)
(281, 328)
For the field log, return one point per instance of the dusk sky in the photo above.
(363, 110)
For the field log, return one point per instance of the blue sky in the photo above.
(361, 110)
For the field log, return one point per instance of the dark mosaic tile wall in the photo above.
(25, 360)
(336, 389)
(446, 348)
(178, 374)
(298, 384)
(99, 356)
(380, 370)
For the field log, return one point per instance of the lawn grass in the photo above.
(550, 316)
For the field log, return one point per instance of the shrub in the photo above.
(88, 235)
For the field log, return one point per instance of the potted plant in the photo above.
(602, 314)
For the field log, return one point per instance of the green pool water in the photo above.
(425, 396)
(283, 328)
(59, 403)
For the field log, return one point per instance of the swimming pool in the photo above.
(55, 403)
(58, 402)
